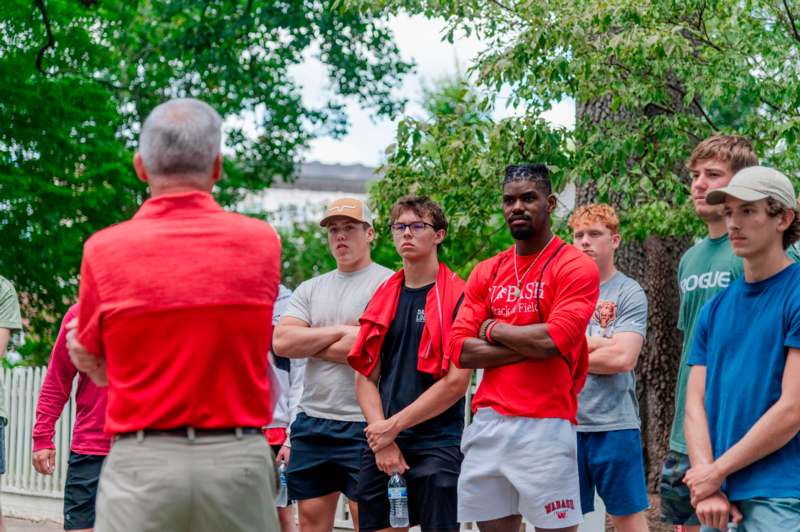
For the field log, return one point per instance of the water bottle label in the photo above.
(283, 480)
(396, 493)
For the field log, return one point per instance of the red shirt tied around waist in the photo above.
(179, 302)
(90, 402)
(562, 287)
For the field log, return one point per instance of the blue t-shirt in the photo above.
(742, 337)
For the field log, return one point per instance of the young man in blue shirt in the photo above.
(743, 397)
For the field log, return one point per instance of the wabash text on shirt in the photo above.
(565, 282)
(562, 504)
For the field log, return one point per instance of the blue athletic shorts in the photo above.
(612, 463)
(326, 457)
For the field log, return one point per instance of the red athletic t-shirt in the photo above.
(566, 283)
(179, 301)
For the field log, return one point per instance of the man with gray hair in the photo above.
(175, 316)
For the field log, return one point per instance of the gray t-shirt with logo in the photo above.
(334, 298)
(608, 402)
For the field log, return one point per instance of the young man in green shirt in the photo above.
(705, 269)
(10, 322)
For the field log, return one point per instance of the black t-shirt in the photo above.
(401, 383)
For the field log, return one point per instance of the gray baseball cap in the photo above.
(756, 183)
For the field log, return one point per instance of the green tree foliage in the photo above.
(677, 71)
(80, 75)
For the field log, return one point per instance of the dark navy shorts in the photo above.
(326, 457)
(80, 490)
(432, 482)
(612, 463)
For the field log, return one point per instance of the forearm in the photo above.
(610, 360)
(772, 431)
(435, 400)
(52, 398)
(477, 353)
(531, 341)
(337, 352)
(369, 398)
(293, 341)
(698, 439)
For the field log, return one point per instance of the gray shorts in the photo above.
(519, 466)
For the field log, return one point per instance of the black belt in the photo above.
(190, 432)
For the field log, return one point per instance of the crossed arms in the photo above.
(294, 338)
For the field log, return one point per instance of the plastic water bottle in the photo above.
(398, 502)
(282, 499)
(732, 527)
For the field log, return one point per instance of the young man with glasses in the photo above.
(409, 391)
(320, 324)
(524, 319)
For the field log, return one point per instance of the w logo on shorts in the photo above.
(560, 507)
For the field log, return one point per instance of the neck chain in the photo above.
(518, 288)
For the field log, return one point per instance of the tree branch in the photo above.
(501, 5)
(50, 40)
(702, 111)
(791, 21)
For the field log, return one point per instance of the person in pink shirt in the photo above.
(90, 444)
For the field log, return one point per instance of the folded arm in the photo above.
(295, 338)
(618, 354)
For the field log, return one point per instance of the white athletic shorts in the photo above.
(519, 466)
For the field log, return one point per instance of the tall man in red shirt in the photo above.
(176, 309)
(524, 319)
(90, 444)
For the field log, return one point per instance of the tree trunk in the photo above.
(654, 264)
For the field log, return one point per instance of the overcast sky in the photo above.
(419, 39)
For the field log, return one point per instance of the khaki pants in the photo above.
(174, 484)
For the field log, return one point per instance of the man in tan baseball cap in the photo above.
(743, 395)
(320, 324)
(352, 208)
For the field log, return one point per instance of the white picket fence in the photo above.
(26, 493)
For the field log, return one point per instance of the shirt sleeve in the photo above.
(699, 350)
(473, 311)
(10, 317)
(632, 310)
(576, 292)
(793, 331)
(299, 305)
(89, 311)
(55, 390)
(281, 304)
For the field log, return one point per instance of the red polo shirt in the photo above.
(566, 283)
(179, 301)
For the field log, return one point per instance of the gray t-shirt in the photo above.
(334, 298)
(608, 402)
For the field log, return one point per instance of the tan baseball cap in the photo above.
(349, 207)
(756, 183)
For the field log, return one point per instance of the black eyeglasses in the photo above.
(416, 227)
